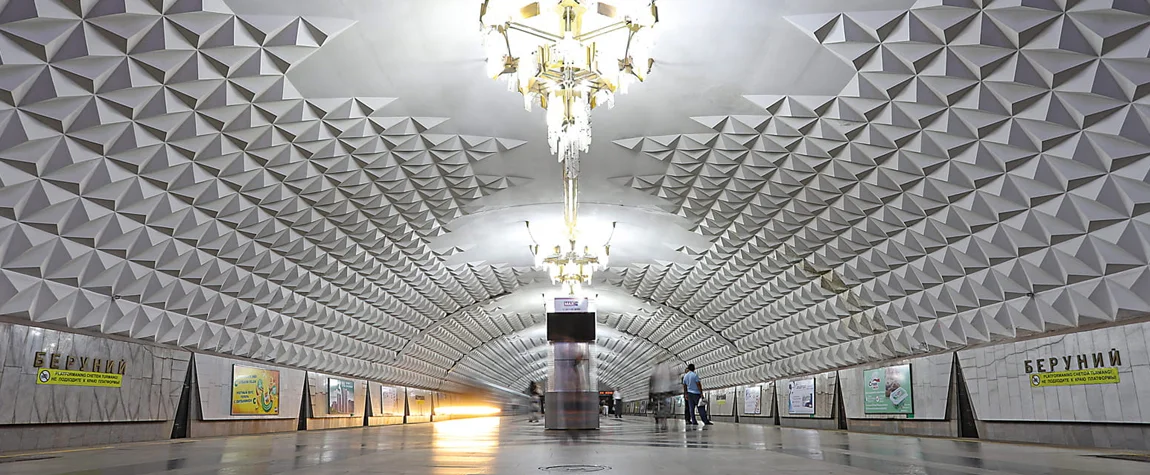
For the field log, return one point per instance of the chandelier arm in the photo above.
(606, 30)
(543, 35)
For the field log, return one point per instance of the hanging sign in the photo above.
(572, 305)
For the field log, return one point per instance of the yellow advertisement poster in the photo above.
(1074, 378)
(255, 391)
(60, 377)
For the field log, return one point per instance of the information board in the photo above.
(801, 396)
(255, 391)
(340, 396)
(888, 390)
(753, 400)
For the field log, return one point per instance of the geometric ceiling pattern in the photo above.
(983, 176)
(162, 179)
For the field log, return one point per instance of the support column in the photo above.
(573, 387)
(572, 401)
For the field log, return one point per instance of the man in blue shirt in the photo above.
(692, 392)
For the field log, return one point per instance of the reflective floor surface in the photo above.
(512, 446)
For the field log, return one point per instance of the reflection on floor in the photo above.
(512, 446)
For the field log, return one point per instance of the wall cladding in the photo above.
(211, 411)
(1000, 387)
(930, 387)
(34, 416)
(824, 396)
(150, 391)
(722, 402)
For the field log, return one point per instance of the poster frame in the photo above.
(759, 400)
(330, 395)
(232, 392)
(910, 390)
(814, 397)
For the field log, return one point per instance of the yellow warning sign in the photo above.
(1074, 378)
(60, 377)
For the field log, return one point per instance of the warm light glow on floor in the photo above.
(467, 411)
(465, 442)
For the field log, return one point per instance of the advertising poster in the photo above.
(887, 391)
(801, 396)
(340, 396)
(389, 401)
(255, 391)
(753, 400)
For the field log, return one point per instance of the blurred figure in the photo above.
(536, 395)
(618, 404)
(692, 393)
(662, 388)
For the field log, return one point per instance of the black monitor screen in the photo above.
(571, 326)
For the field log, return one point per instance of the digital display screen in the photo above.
(571, 326)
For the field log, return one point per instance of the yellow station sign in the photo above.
(1074, 378)
(61, 377)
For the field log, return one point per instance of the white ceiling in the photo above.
(799, 187)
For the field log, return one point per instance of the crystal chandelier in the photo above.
(569, 266)
(569, 56)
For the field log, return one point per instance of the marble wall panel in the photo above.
(318, 390)
(722, 402)
(377, 399)
(1000, 387)
(766, 400)
(930, 386)
(824, 396)
(419, 402)
(153, 379)
(214, 382)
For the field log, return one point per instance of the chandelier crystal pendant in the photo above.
(569, 56)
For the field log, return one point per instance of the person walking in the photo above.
(661, 390)
(618, 404)
(536, 401)
(692, 393)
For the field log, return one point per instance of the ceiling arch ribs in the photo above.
(964, 187)
(167, 161)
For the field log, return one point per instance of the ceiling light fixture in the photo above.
(569, 56)
(568, 265)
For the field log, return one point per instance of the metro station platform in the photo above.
(511, 446)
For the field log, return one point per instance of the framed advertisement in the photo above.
(801, 396)
(753, 400)
(888, 390)
(390, 404)
(340, 396)
(255, 391)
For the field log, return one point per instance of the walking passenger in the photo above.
(661, 390)
(618, 404)
(536, 396)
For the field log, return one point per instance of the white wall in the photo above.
(930, 384)
(377, 408)
(1000, 388)
(824, 396)
(318, 387)
(214, 379)
(150, 390)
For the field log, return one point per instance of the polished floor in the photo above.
(511, 446)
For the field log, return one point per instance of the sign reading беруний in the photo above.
(1073, 370)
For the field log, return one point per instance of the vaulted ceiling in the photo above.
(802, 184)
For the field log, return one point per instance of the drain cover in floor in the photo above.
(1130, 457)
(575, 468)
